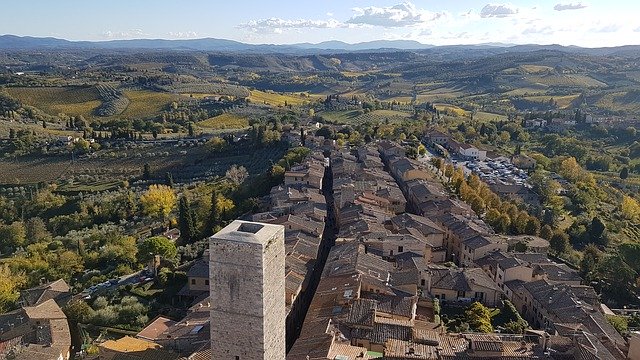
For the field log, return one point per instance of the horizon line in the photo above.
(497, 44)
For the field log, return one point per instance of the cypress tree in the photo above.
(214, 217)
(186, 221)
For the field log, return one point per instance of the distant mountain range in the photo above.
(13, 43)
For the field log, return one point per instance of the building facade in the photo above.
(247, 263)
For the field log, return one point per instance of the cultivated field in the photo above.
(145, 104)
(358, 117)
(224, 121)
(56, 100)
(279, 99)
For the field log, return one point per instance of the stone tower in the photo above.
(246, 272)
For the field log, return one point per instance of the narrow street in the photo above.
(328, 240)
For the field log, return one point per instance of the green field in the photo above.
(224, 121)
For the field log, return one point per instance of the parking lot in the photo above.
(495, 172)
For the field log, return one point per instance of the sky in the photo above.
(591, 23)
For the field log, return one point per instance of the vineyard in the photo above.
(146, 104)
(105, 169)
(224, 121)
(359, 117)
(56, 100)
(113, 101)
(278, 99)
(209, 89)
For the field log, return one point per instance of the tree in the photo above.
(237, 174)
(533, 226)
(168, 179)
(477, 204)
(448, 171)
(559, 242)
(546, 232)
(624, 173)
(13, 235)
(146, 172)
(157, 245)
(479, 318)
(617, 278)
(78, 311)
(186, 221)
(630, 208)
(597, 229)
(158, 201)
(191, 130)
(214, 216)
(590, 258)
(619, 323)
(516, 324)
(630, 253)
(9, 285)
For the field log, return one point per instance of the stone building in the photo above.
(247, 293)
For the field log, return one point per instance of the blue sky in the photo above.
(584, 23)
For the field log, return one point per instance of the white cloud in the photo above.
(128, 34)
(401, 15)
(183, 34)
(636, 29)
(498, 10)
(569, 6)
(608, 28)
(330, 14)
(277, 25)
(545, 30)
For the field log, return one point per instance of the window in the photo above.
(206, 282)
(479, 295)
(237, 357)
(422, 282)
(193, 281)
(460, 294)
(400, 249)
(443, 297)
(390, 252)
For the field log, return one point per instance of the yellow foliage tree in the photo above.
(630, 208)
(158, 201)
(9, 285)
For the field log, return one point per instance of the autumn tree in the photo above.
(9, 285)
(630, 208)
(158, 201)
(479, 318)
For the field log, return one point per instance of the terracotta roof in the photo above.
(155, 328)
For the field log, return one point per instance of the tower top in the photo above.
(249, 232)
